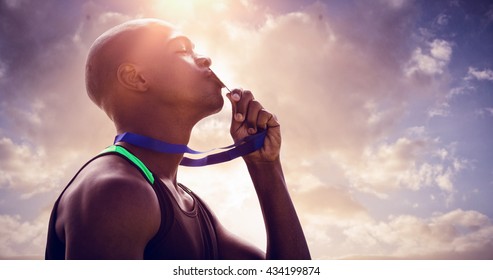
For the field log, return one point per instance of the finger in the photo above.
(254, 108)
(234, 96)
(242, 105)
(273, 122)
(263, 119)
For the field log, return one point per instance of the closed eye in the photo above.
(182, 45)
(184, 50)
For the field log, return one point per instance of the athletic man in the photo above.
(126, 203)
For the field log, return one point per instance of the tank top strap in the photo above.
(132, 158)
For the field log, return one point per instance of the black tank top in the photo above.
(181, 235)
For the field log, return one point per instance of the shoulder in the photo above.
(111, 180)
(109, 198)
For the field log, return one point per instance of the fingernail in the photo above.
(251, 130)
(236, 96)
(238, 117)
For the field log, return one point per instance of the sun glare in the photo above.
(190, 16)
(182, 8)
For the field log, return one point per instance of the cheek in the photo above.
(173, 74)
(161, 76)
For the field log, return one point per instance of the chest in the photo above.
(183, 234)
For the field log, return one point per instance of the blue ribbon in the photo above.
(243, 147)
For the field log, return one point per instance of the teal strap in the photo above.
(124, 152)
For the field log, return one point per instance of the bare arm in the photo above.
(285, 238)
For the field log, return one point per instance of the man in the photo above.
(129, 205)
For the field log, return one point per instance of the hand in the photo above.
(249, 117)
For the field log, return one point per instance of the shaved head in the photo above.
(110, 50)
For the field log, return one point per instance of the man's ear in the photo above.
(129, 77)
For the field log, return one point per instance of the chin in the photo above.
(219, 106)
(214, 106)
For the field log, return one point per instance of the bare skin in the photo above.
(161, 89)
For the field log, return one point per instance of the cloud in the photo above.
(34, 29)
(484, 112)
(22, 239)
(441, 50)
(453, 235)
(28, 170)
(15, 161)
(442, 19)
(404, 164)
(48, 123)
(442, 106)
(328, 202)
(396, 4)
(3, 70)
(474, 73)
(430, 62)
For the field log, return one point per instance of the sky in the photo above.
(386, 109)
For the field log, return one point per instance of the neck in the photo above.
(164, 165)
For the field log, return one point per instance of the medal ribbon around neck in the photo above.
(243, 147)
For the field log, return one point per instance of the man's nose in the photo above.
(203, 61)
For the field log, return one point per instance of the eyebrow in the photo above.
(183, 39)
